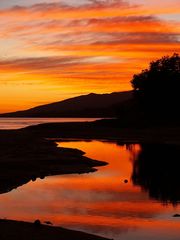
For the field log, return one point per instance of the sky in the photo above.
(52, 50)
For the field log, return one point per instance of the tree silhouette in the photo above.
(158, 87)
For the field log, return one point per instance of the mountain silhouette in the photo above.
(91, 105)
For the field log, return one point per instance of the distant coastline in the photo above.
(9, 123)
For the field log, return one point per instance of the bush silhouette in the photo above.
(158, 87)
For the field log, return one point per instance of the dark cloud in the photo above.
(44, 64)
(112, 38)
(40, 63)
(56, 6)
(120, 38)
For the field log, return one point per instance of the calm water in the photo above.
(16, 123)
(101, 202)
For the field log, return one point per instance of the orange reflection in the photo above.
(99, 203)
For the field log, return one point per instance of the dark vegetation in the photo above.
(157, 88)
(156, 95)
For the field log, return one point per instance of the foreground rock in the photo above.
(14, 230)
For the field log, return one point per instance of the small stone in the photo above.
(125, 181)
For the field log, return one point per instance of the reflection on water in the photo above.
(156, 170)
(101, 202)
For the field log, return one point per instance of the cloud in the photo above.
(92, 45)
(57, 66)
(46, 10)
(91, 9)
(39, 63)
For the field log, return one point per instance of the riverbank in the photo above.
(107, 130)
(16, 230)
(25, 156)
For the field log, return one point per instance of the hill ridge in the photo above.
(87, 105)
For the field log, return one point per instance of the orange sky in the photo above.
(53, 50)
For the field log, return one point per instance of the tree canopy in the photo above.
(159, 85)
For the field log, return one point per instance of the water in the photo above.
(101, 202)
(17, 123)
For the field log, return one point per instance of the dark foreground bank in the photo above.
(15, 230)
(108, 129)
(25, 156)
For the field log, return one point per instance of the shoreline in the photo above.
(25, 157)
(105, 130)
(20, 230)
